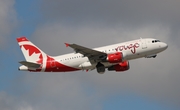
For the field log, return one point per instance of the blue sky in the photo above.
(50, 24)
(29, 17)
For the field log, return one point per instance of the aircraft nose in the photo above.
(164, 46)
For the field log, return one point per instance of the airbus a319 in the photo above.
(113, 57)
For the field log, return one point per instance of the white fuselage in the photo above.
(113, 57)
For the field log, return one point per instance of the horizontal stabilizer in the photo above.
(30, 64)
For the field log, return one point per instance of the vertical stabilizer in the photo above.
(31, 52)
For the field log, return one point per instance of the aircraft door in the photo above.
(143, 43)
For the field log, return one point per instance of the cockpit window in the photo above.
(158, 40)
(154, 41)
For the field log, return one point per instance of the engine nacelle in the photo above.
(123, 66)
(115, 57)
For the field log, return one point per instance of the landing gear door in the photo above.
(143, 43)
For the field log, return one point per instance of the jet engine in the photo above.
(115, 57)
(123, 66)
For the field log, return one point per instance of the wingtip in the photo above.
(67, 45)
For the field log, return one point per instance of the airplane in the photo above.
(113, 57)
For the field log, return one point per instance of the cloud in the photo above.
(8, 102)
(7, 21)
(126, 11)
(59, 34)
(58, 91)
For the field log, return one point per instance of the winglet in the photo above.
(67, 45)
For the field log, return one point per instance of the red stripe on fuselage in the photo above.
(55, 66)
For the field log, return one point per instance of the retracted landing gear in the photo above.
(151, 56)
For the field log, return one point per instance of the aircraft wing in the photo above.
(90, 53)
(30, 64)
